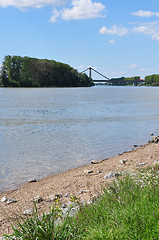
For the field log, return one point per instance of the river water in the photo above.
(45, 131)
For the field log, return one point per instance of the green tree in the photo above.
(32, 72)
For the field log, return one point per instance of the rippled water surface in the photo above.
(48, 130)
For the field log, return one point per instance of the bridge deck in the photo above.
(100, 80)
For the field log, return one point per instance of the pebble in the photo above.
(71, 204)
(55, 197)
(32, 180)
(58, 196)
(155, 139)
(37, 199)
(95, 162)
(123, 161)
(73, 211)
(112, 175)
(28, 211)
(88, 171)
(4, 199)
(10, 201)
(70, 211)
(141, 164)
(67, 195)
(64, 205)
(81, 192)
(89, 202)
(52, 198)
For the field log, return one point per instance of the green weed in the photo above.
(127, 209)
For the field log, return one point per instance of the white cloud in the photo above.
(142, 29)
(76, 9)
(82, 9)
(150, 28)
(132, 66)
(111, 41)
(143, 13)
(30, 3)
(114, 30)
(55, 15)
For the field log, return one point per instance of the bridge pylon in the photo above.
(90, 75)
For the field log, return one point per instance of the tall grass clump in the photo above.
(127, 209)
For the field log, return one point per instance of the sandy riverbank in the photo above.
(76, 181)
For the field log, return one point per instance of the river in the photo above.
(45, 131)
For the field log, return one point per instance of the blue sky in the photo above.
(116, 37)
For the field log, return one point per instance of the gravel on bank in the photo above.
(84, 183)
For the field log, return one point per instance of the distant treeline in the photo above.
(152, 80)
(125, 81)
(19, 71)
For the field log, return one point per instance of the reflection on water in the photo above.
(48, 130)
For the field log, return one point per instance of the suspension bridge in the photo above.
(90, 69)
(114, 81)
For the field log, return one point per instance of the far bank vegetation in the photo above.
(19, 71)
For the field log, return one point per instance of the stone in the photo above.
(4, 199)
(141, 164)
(52, 198)
(117, 174)
(99, 171)
(71, 204)
(37, 199)
(58, 196)
(123, 161)
(83, 191)
(55, 197)
(135, 145)
(88, 171)
(32, 180)
(10, 201)
(73, 211)
(28, 211)
(112, 175)
(89, 202)
(155, 139)
(64, 205)
(70, 211)
(95, 162)
(67, 195)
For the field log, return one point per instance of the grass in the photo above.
(127, 209)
